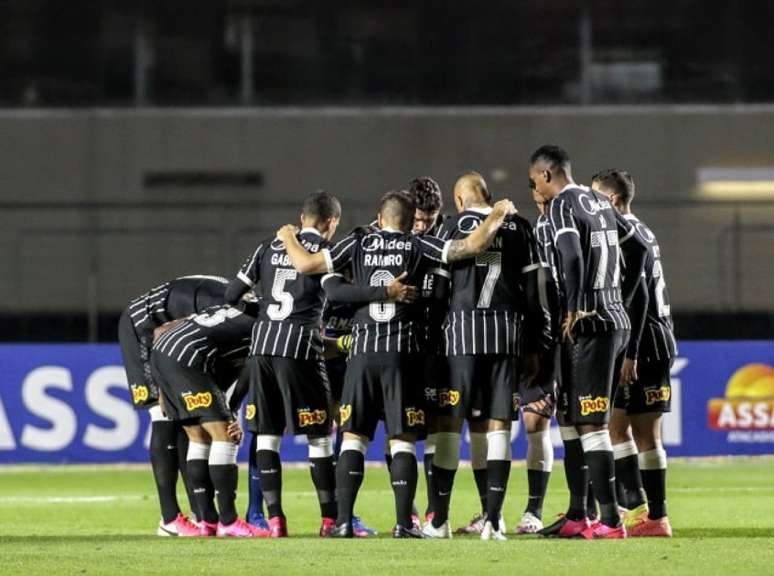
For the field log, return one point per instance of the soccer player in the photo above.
(491, 296)
(168, 442)
(382, 379)
(585, 229)
(195, 361)
(645, 392)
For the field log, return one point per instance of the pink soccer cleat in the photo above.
(660, 528)
(278, 527)
(180, 526)
(415, 522)
(573, 528)
(599, 531)
(207, 529)
(239, 528)
(328, 525)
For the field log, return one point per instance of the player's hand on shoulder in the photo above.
(287, 232)
(571, 320)
(506, 207)
(397, 291)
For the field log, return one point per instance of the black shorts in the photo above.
(336, 368)
(590, 367)
(435, 381)
(481, 387)
(651, 392)
(190, 395)
(136, 351)
(288, 395)
(384, 386)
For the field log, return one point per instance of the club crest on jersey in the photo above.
(449, 398)
(139, 393)
(415, 417)
(468, 223)
(311, 417)
(250, 411)
(198, 400)
(654, 395)
(345, 412)
(593, 405)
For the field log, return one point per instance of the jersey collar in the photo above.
(310, 230)
(486, 211)
(631, 217)
(393, 230)
(574, 185)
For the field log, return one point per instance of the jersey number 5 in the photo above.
(283, 305)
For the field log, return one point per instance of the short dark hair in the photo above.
(321, 206)
(399, 207)
(426, 193)
(620, 181)
(557, 158)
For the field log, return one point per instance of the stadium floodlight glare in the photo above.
(736, 183)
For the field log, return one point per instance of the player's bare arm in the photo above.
(302, 260)
(480, 239)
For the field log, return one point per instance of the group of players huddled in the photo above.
(422, 321)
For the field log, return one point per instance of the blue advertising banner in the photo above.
(69, 404)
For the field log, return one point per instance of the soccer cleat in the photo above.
(635, 516)
(207, 528)
(342, 531)
(401, 531)
(328, 525)
(660, 528)
(415, 522)
(429, 517)
(476, 524)
(361, 530)
(565, 528)
(278, 527)
(530, 524)
(258, 520)
(430, 531)
(600, 531)
(489, 533)
(239, 528)
(180, 526)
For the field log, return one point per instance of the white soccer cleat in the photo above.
(530, 524)
(489, 533)
(431, 531)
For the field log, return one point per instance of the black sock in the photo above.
(602, 472)
(164, 461)
(443, 481)
(655, 487)
(337, 443)
(182, 453)
(225, 478)
(577, 474)
(591, 503)
(271, 481)
(349, 477)
(428, 462)
(199, 473)
(497, 473)
(627, 474)
(403, 476)
(537, 480)
(480, 476)
(324, 480)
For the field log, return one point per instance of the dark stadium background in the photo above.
(146, 140)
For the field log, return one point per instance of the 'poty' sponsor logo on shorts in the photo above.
(139, 393)
(311, 417)
(594, 405)
(657, 395)
(198, 400)
(415, 417)
(449, 398)
(250, 411)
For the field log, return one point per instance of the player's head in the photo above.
(617, 185)
(470, 191)
(540, 202)
(427, 196)
(322, 211)
(396, 210)
(549, 171)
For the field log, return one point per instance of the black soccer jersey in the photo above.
(376, 259)
(658, 341)
(600, 228)
(545, 245)
(290, 310)
(216, 341)
(175, 299)
(488, 291)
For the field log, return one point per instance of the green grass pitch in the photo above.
(102, 520)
